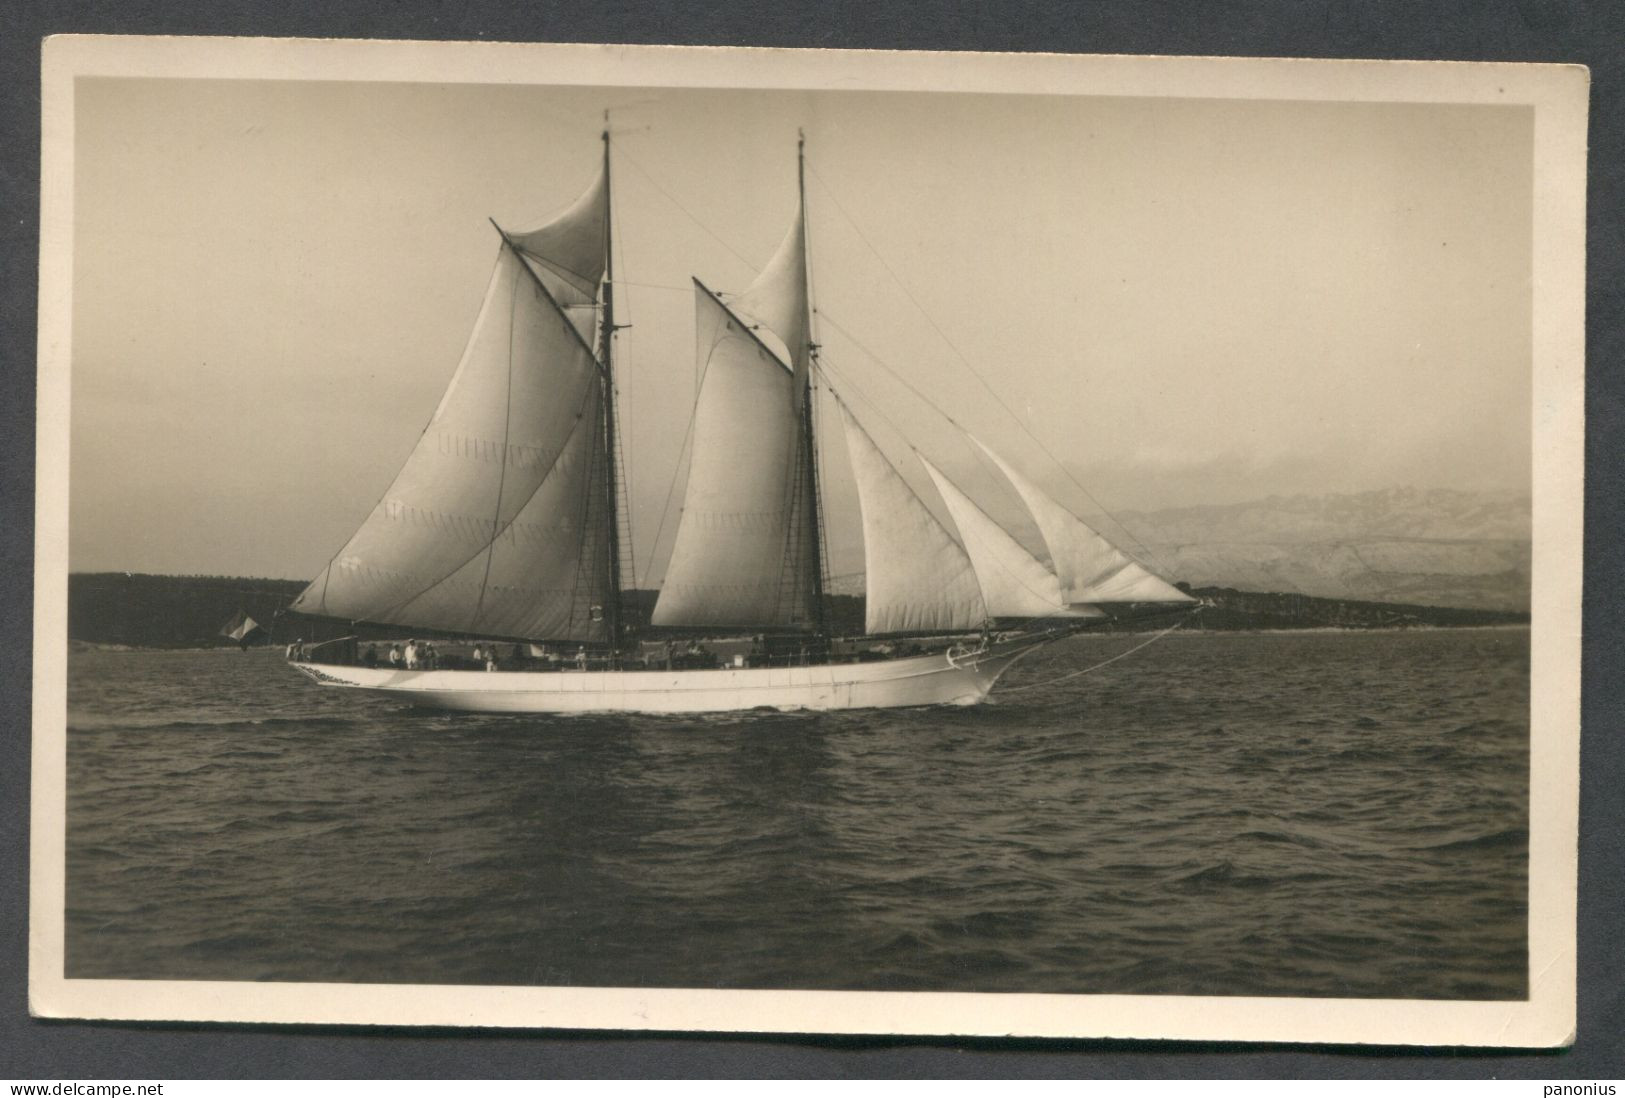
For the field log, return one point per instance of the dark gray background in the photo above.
(1590, 33)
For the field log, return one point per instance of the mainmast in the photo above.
(606, 341)
(810, 448)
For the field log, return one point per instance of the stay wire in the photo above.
(626, 459)
(1060, 612)
(836, 202)
(647, 175)
(1153, 639)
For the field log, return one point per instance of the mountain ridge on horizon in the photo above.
(1432, 546)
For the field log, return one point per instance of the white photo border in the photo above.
(1558, 95)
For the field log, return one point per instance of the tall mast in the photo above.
(810, 448)
(606, 342)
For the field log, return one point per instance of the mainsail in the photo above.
(1015, 584)
(917, 578)
(498, 523)
(747, 549)
(735, 561)
(1090, 568)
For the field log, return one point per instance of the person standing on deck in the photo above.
(412, 654)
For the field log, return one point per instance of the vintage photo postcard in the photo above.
(798, 541)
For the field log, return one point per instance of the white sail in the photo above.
(918, 579)
(1015, 584)
(734, 561)
(521, 415)
(568, 252)
(545, 574)
(1090, 568)
(777, 300)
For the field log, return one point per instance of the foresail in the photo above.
(1015, 584)
(918, 579)
(1090, 568)
(513, 457)
(738, 558)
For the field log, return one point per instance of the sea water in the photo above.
(1311, 814)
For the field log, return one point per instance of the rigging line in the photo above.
(585, 525)
(1059, 611)
(632, 160)
(878, 361)
(545, 477)
(963, 430)
(624, 437)
(1097, 666)
(978, 376)
(651, 285)
(502, 470)
(677, 466)
(327, 572)
(660, 527)
(831, 376)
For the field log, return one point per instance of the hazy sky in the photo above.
(1185, 300)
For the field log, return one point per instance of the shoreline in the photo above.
(79, 646)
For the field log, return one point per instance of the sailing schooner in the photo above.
(506, 520)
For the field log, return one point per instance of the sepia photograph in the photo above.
(808, 541)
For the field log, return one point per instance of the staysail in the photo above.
(917, 578)
(738, 559)
(1015, 584)
(1090, 568)
(498, 521)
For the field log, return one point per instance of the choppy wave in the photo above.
(1329, 814)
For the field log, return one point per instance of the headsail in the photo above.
(736, 560)
(1015, 584)
(497, 521)
(918, 579)
(1090, 568)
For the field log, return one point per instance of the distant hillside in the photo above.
(187, 611)
(1231, 610)
(168, 611)
(1404, 545)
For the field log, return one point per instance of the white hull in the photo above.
(933, 679)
